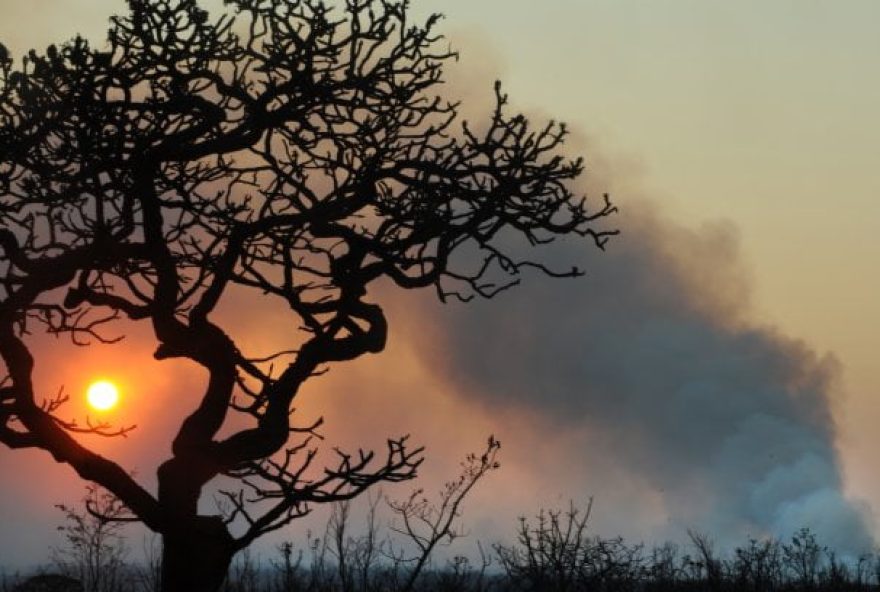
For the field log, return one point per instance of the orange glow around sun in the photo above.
(102, 395)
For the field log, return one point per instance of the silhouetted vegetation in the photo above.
(293, 150)
(94, 548)
(393, 547)
(553, 552)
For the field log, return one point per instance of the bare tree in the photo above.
(803, 557)
(287, 570)
(556, 553)
(356, 556)
(286, 148)
(426, 524)
(94, 548)
(708, 562)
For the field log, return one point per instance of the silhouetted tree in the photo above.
(427, 525)
(288, 148)
(94, 550)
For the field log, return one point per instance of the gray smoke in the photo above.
(651, 358)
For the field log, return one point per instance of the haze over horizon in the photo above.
(713, 370)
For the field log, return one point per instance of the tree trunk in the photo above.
(196, 557)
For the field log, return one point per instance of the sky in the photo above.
(714, 369)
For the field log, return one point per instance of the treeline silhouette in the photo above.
(552, 551)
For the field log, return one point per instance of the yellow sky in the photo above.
(760, 113)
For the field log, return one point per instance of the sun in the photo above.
(102, 395)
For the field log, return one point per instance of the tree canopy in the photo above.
(290, 148)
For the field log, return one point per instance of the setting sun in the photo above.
(102, 395)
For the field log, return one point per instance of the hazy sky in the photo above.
(738, 139)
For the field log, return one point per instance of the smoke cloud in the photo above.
(645, 384)
(651, 368)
